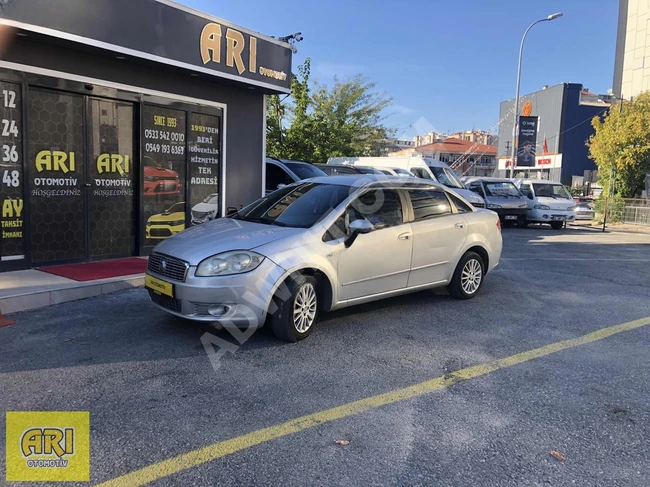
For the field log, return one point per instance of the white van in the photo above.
(548, 202)
(421, 167)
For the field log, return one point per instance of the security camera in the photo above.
(294, 49)
(298, 36)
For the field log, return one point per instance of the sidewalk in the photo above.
(31, 289)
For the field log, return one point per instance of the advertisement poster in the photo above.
(56, 176)
(204, 149)
(527, 141)
(11, 171)
(163, 172)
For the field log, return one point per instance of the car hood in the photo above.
(160, 172)
(167, 217)
(508, 202)
(555, 203)
(204, 207)
(470, 196)
(221, 235)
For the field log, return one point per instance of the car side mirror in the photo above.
(357, 227)
(231, 210)
(530, 195)
(280, 186)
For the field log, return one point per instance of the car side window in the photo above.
(460, 205)
(382, 208)
(429, 203)
(525, 189)
(275, 175)
(477, 188)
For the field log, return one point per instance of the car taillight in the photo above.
(499, 224)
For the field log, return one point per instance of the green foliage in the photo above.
(343, 120)
(615, 208)
(574, 191)
(620, 146)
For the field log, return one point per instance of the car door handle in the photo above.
(459, 225)
(404, 236)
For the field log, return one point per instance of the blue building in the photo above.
(565, 112)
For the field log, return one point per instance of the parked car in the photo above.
(584, 211)
(165, 224)
(420, 167)
(159, 180)
(346, 169)
(548, 202)
(501, 196)
(324, 244)
(281, 172)
(207, 210)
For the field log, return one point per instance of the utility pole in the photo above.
(612, 173)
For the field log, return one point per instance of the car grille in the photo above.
(478, 205)
(174, 269)
(166, 187)
(160, 232)
(166, 302)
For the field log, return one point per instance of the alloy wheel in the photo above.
(304, 308)
(470, 279)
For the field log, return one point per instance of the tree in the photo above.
(621, 146)
(344, 120)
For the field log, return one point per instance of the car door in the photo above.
(276, 175)
(439, 233)
(379, 261)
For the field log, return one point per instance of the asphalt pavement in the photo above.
(152, 393)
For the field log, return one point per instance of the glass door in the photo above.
(111, 179)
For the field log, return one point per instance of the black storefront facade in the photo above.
(124, 122)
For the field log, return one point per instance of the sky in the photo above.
(446, 64)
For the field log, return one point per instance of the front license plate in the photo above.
(159, 286)
(559, 217)
(511, 217)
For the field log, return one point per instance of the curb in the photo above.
(41, 299)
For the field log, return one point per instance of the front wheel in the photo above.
(557, 225)
(468, 277)
(294, 317)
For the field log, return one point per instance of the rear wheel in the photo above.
(294, 317)
(557, 225)
(468, 277)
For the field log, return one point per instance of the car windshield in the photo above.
(299, 206)
(506, 189)
(304, 170)
(176, 208)
(549, 190)
(446, 177)
(213, 199)
(402, 172)
(368, 170)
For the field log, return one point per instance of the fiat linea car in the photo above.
(323, 244)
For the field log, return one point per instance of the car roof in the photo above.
(376, 180)
(544, 181)
(284, 161)
(472, 179)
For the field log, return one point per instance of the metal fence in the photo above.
(632, 211)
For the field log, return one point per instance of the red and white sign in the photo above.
(544, 161)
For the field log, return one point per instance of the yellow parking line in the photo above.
(220, 449)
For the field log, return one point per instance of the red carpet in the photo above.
(98, 270)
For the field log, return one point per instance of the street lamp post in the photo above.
(516, 117)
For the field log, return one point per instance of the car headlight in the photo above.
(149, 223)
(149, 178)
(228, 263)
(523, 205)
(493, 207)
(542, 207)
(571, 208)
(475, 199)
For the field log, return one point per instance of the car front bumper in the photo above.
(510, 214)
(238, 300)
(548, 216)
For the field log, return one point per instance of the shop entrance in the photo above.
(81, 173)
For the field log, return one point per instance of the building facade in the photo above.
(480, 136)
(121, 116)
(632, 62)
(465, 157)
(564, 114)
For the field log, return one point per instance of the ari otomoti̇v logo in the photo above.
(47, 446)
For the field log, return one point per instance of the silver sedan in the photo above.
(320, 245)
